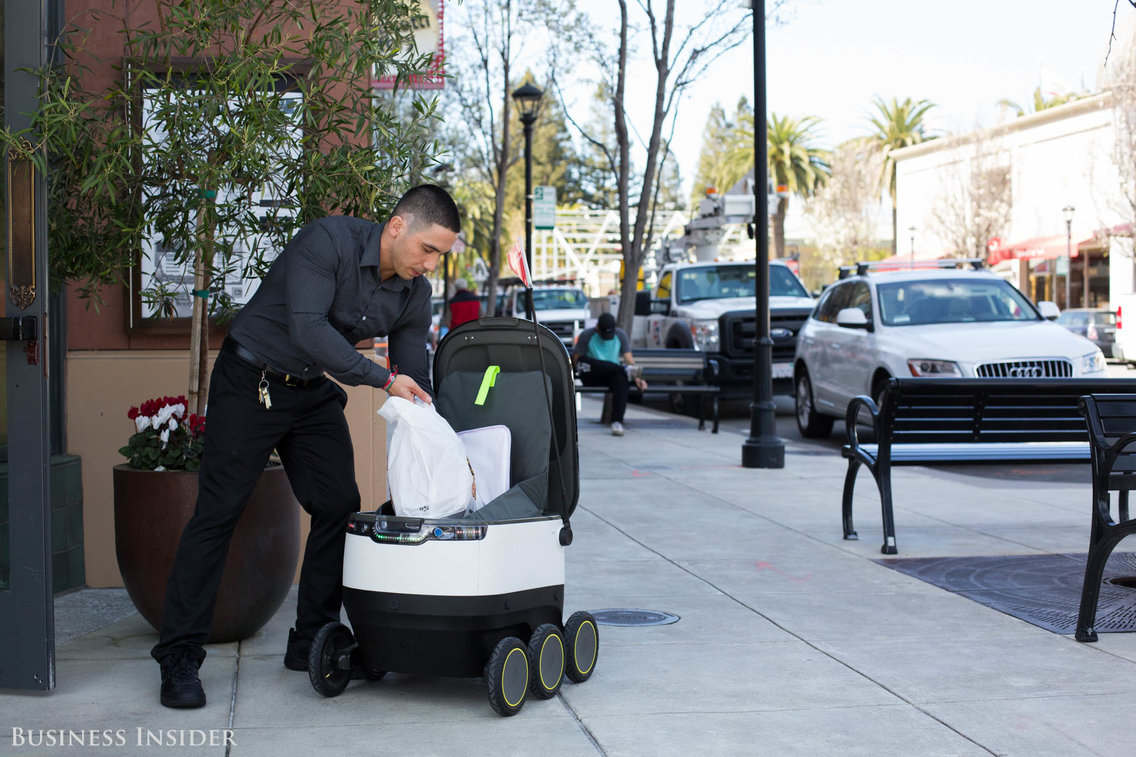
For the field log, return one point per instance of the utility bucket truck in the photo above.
(709, 305)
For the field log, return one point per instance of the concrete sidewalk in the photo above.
(790, 639)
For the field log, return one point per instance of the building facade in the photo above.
(1040, 198)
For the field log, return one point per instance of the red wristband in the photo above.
(393, 376)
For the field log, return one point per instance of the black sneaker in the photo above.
(181, 686)
(296, 656)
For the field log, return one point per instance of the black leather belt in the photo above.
(230, 345)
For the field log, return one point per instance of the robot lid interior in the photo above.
(497, 361)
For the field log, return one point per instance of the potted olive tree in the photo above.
(193, 152)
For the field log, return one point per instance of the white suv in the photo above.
(870, 327)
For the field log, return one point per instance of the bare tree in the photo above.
(1123, 87)
(842, 213)
(483, 66)
(975, 199)
(681, 51)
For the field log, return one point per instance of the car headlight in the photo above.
(934, 368)
(705, 333)
(1093, 362)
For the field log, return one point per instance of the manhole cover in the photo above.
(1041, 589)
(634, 618)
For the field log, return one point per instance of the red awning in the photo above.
(1038, 247)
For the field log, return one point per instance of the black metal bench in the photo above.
(1111, 421)
(924, 421)
(681, 372)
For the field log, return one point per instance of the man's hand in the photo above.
(408, 389)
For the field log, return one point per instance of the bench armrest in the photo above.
(854, 412)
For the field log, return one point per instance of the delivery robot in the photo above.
(483, 594)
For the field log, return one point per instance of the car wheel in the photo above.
(811, 424)
(878, 386)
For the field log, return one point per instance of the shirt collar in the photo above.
(371, 252)
(370, 258)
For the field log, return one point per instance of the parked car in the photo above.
(1096, 325)
(945, 323)
(563, 309)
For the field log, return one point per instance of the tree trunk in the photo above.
(894, 229)
(623, 177)
(779, 227)
(501, 170)
(199, 329)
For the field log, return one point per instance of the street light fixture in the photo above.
(1067, 211)
(911, 231)
(527, 97)
(763, 448)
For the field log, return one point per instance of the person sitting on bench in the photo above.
(599, 351)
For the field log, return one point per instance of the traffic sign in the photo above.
(544, 207)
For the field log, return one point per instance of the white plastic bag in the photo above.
(488, 449)
(427, 470)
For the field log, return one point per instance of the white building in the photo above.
(1059, 158)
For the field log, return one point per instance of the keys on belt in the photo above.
(262, 391)
(267, 371)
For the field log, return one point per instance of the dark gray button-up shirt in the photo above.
(323, 295)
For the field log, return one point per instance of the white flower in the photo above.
(165, 414)
(165, 436)
(173, 424)
(142, 422)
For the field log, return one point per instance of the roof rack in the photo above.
(865, 267)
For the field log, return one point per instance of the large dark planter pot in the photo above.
(151, 509)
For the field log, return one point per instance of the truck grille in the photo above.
(739, 330)
(1026, 369)
(566, 330)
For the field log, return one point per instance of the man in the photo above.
(598, 354)
(463, 306)
(339, 281)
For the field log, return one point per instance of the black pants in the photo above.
(307, 427)
(611, 375)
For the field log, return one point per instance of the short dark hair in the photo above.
(428, 204)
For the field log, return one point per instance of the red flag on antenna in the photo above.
(519, 264)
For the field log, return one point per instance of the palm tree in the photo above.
(796, 165)
(898, 124)
(1040, 102)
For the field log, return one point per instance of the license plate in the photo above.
(782, 370)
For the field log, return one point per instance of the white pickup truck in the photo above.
(563, 309)
(709, 306)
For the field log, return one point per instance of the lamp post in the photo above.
(527, 97)
(911, 231)
(763, 448)
(1067, 211)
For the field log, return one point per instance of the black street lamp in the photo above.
(763, 448)
(527, 98)
(1067, 211)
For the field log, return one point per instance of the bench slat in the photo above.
(907, 454)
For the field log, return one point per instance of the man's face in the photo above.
(416, 248)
